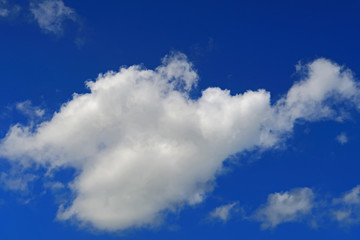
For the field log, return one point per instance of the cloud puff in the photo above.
(143, 148)
(27, 108)
(347, 208)
(51, 14)
(342, 138)
(285, 207)
(223, 213)
(299, 203)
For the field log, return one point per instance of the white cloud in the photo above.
(352, 197)
(51, 14)
(346, 210)
(17, 182)
(224, 212)
(142, 147)
(27, 108)
(342, 138)
(285, 207)
(297, 204)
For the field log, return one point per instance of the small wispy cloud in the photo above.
(342, 138)
(224, 212)
(54, 185)
(7, 9)
(51, 15)
(17, 182)
(284, 207)
(347, 208)
(28, 109)
(301, 205)
(4, 12)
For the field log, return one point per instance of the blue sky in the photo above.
(179, 120)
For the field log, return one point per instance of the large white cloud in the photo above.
(143, 147)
